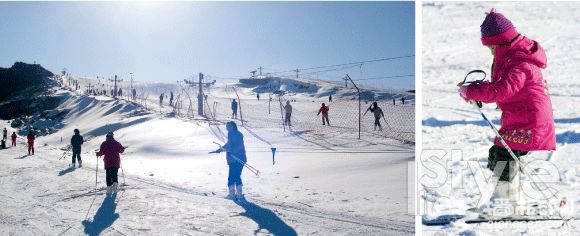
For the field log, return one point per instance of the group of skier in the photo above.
(374, 108)
(111, 149)
(162, 95)
(30, 138)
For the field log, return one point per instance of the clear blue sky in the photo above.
(170, 41)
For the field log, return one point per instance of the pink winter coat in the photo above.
(518, 88)
(111, 149)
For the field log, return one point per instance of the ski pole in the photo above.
(96, 173)
(251, 168)
(387, 123)
(123, 172)
(523, 164)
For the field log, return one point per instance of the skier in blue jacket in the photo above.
(236, 158)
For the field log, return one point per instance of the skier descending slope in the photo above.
(236, 158)
(519, 90)
(111, 150)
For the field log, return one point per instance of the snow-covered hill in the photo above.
(324, 181)
(454, 131)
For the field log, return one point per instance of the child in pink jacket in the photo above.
(518, 89)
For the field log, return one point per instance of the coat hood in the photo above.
(523, 49)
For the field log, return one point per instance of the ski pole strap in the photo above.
(471, 72)
(478, 103)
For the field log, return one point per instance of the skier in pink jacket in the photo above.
(520, 92)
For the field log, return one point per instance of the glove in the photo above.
(217, 151)
(463, 93)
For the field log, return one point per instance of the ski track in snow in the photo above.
(60, 209)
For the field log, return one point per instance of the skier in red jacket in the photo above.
(14, 139)
(324, 110)
(520, 91)
(111, 150)
(30, 138)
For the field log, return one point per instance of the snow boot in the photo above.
(239, 193)
(231, 195)
(508, 190)
(80, 163)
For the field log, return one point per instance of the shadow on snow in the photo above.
(433, 122)
(103, 219)
(266, 219)
(568, 137)
(66, 171)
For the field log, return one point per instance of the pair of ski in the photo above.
(500, 213)
(476, 215)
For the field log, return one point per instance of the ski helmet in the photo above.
(77, 131)
(110, 135)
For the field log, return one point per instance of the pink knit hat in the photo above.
(496, 29)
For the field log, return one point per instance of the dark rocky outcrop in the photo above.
(24, 90)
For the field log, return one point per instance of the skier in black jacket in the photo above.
(76, 141)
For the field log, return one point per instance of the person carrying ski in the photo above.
(324, 110)
(76, 141)
(520, 92)
(288, 111)
(378, 112)
(234, 109)
(14, 139)
(111, 149)
(30, 137)
(236, 159)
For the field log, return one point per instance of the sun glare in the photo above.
(149, 16)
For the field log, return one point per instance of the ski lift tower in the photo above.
(200, 95)
(115, 88)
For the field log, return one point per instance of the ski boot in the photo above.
(115, 188)
(231, 195)
(239, 194)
